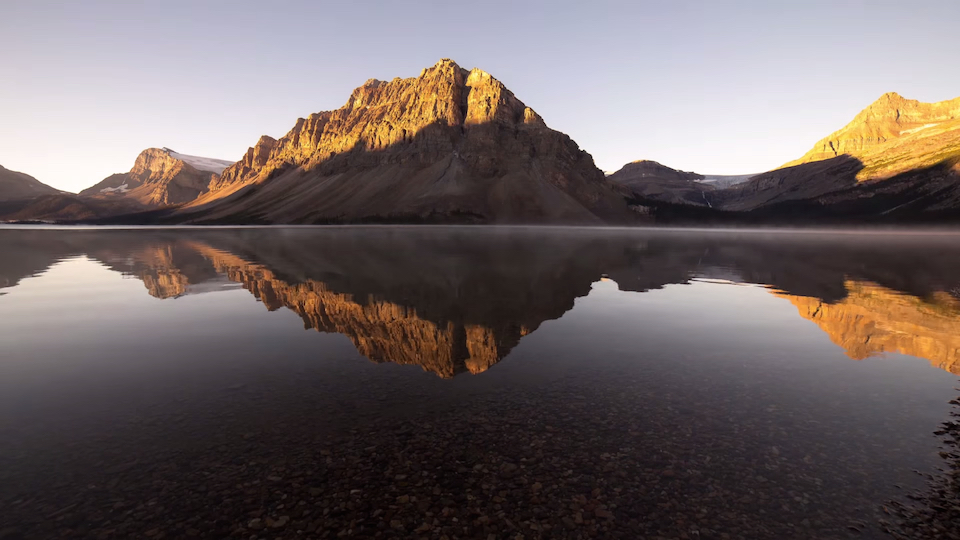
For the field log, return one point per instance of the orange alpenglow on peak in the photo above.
(161, 177)
(892, 135)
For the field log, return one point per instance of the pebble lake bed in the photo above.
(447, 382)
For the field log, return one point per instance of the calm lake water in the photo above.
(470, 382)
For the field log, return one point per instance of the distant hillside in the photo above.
(652, 180)
(65, 207)
(17, 185)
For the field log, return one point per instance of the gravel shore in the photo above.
(933, 512)
(572, 461)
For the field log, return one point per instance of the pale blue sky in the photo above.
(712, 86)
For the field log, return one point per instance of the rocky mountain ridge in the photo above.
(455, 145)
(449, 144)
(897, 161)
(887, 119)
(161, 177)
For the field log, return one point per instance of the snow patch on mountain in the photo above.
(122, 188)
(200, 163)
(725, 180)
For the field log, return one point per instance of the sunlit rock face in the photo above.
(889, 118)
(873, 320)
(449, 144)
(254, 160)
(160, 177)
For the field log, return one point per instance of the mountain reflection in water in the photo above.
(455, 300)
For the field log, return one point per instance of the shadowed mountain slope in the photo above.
(66, 207)
(17, 185)
(652, 180)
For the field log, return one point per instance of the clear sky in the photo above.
(718, 87)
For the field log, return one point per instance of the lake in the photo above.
(475, 382)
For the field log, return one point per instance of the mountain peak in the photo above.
(891, 96)
(447, 144)
(445, 67)
(446, 62)
(161, 176)
(889, 118)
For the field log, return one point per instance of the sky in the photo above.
(716, 87)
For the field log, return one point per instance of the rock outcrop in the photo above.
(161, 177)
(448, 145)
(249, 165)
(18, 186)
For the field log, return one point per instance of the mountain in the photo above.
(898, 160)
(652, 180)
(17, 185)
(24, 198)
(891, 122)
(161, 177)
(448, 145)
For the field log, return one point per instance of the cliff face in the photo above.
(874, 320)
(17, 185)
(448, 144)
(160, 177)
(248, 167)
